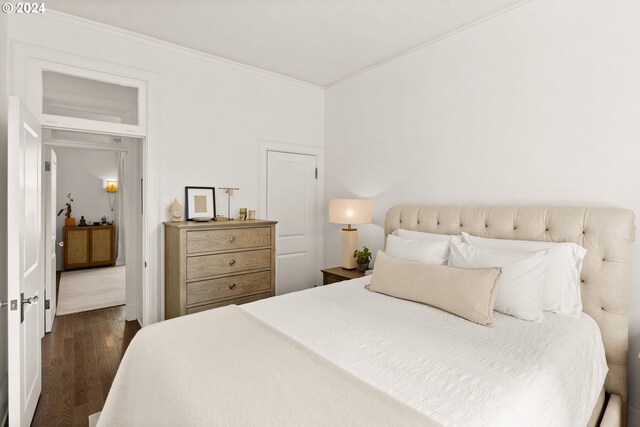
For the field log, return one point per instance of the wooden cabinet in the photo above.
(213, 264)
(91, 246)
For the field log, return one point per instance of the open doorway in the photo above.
(97, 243)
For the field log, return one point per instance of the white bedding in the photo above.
(457, 372)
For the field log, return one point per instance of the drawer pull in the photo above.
(232, 239)
(232, 262)
(232, 286)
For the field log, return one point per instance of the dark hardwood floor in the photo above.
(80, 358)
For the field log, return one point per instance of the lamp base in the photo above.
(349, 245)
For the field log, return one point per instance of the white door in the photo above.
(50, 259)
(24, 255)
(292, 201)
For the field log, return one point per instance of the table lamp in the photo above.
(350, 211)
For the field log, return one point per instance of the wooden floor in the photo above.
(80, 358)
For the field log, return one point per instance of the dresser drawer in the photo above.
(213, 265)
(228, 287)
(221, 240)
(237, 301)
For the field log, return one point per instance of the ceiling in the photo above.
(318, 41)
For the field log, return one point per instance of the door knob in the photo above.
(61, 244)
(232, 286)
(232, 262)
(232, 239)
(31, 300)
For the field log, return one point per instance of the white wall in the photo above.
(211, 113)
(3, 215)
(84, 173)
(540, 105)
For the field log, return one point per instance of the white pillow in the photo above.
(521, 283)
(428, 237)
(431, 252)
(561, 292)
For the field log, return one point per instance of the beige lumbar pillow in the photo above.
(468, 293)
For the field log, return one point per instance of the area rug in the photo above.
(91, 289)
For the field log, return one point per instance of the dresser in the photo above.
(90, 246)
(213, 264)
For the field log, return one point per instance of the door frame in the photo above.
(134, 258)
(20, 57)
(264, 147)
(47, 153)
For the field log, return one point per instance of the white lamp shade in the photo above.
(350, 211)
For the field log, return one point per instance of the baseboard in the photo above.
(131, 312)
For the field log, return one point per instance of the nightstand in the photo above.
(338, 274)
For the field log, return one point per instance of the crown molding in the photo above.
(87, 24)
(428, 43)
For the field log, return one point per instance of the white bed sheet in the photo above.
(455, 371)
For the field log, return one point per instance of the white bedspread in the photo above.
(459, 373)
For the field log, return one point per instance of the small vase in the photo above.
(362, 266)
(70, 222)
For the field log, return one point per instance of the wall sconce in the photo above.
(112, 189)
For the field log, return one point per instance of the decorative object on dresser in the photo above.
(229, 191)
(90, 246)
(69, 221)
(350, 211)
(200, 203)
(209, 265)
(338, 274)
(175, 209)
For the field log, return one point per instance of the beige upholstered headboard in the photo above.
(606, 233)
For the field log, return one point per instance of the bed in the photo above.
(340, 354)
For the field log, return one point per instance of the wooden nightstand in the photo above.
(338, 274)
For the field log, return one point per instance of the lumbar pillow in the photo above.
(468, 293)
(561, 292)
(427, 251)
(522, 280)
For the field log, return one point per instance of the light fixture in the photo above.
(112, 189)
(350, 211)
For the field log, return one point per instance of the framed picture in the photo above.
(200, 203)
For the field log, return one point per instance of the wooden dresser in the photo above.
(213, 264)
(90, 246)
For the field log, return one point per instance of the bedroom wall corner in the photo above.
(4, 89)
(537, 106)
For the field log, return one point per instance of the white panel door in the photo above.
(24, 256)
(292, 201)
(50, 239)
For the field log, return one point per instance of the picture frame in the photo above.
(200, 203)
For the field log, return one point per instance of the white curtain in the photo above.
(119, 210)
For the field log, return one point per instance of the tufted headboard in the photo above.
(606, 233)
